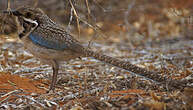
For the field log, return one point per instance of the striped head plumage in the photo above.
(27, 19)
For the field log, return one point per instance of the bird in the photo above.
(50, 43)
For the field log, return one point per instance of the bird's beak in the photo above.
(14, 12)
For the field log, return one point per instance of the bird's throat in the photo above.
(25, 26)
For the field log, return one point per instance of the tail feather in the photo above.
(156, 76)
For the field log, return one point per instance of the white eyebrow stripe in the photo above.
(31, 21)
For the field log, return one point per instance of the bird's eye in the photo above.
(28, 14)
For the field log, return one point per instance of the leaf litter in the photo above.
(90, 84)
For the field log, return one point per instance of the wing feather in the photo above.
(47, 43)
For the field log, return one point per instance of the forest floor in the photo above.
(157, 42)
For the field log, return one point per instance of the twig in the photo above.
(4, 17)
(80, 94)
(5, 99)
(9, 93)
(88, 9)
(69, 23)
(8, 5)
(29, 70)
(35, 3)
(96, 28)
(32, 99)
(77, 20)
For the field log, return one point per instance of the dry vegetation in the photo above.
(153, 34)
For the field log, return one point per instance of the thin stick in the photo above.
(96, 28)
(5, 99)
(9, 93)
(80, 94)
(8, 5)
(35, 3)
(77, 20)
(88, 9)
(69, 23)
(4, 17)
(31, 99)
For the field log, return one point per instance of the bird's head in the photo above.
(27, 18)
(27, 14)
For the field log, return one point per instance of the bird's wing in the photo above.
(55, 39)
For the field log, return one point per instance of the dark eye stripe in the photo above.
(28, 14)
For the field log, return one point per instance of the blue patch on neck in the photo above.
(45, 42)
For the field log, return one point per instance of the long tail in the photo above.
(156, 76)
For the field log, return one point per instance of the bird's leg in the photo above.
(55, 68)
